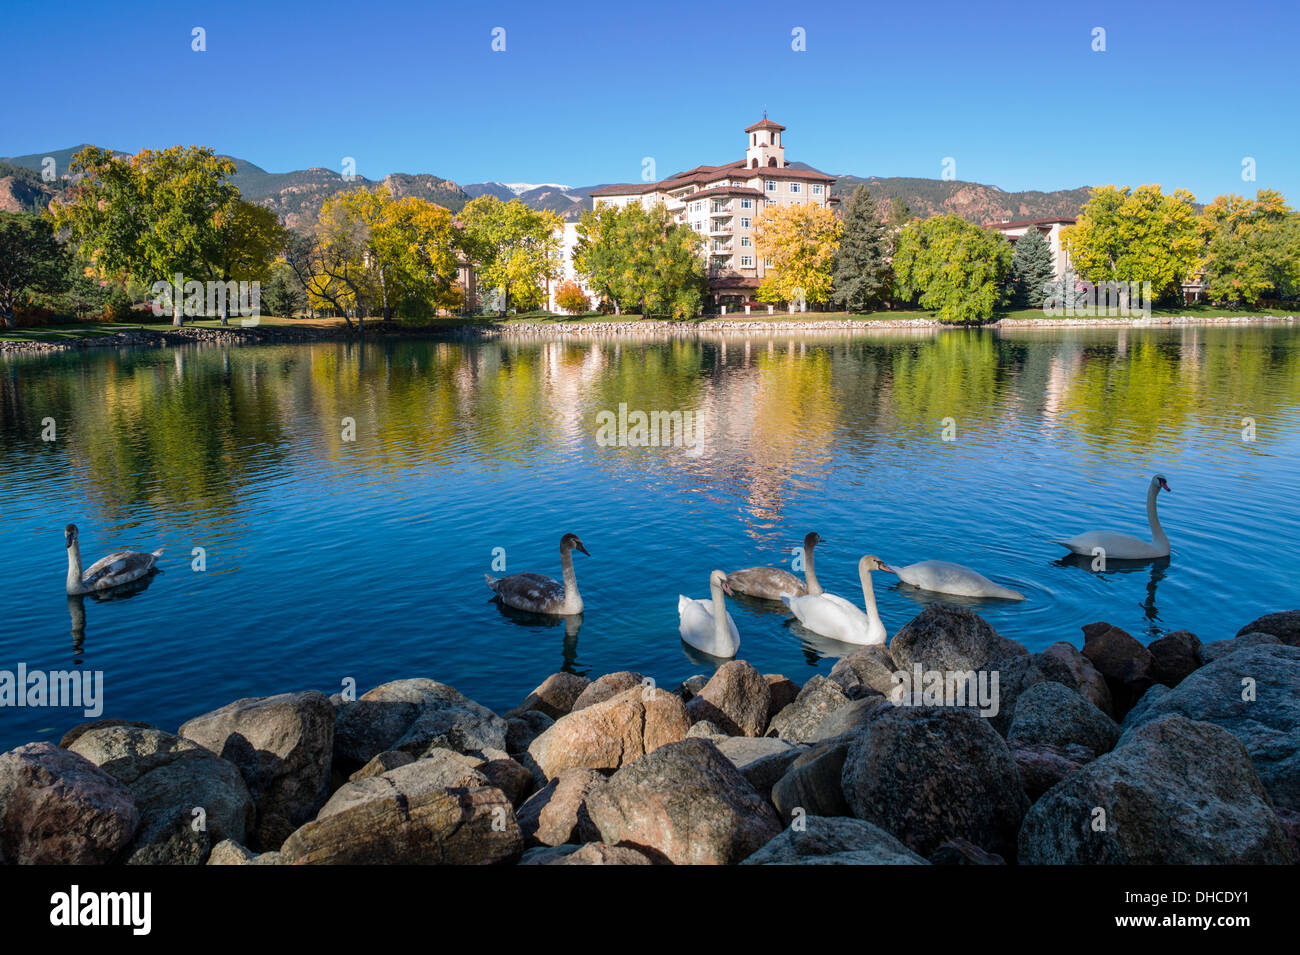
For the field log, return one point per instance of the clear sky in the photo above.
(1012, 91)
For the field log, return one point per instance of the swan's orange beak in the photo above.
(1165, 485)
(726, 589)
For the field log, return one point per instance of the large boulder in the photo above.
(1064, 663)
(782, 690)
(1209, 652)
(175, 783)
(606, 687)
(524, 728)
(1176, 655)
(1050, 712)
(866, 671)
(686, 802)
(851, 717)
(812, 785)
(1127, 666)
(510, 776)
(736, 699)
(555, 696)
(798, 722)
(1174, 792)
(761, 761)
(600, 853)
(930, 774)
(557, 813)
(834, 840)
(1251, 694)
(950, 639)
(1043, 765)
(416, 716)
(608, 734)
(460, 826)
(441, 769)
(57, 807)
(1284, 625)
(283, 746)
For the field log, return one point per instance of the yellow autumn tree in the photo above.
(800, 243)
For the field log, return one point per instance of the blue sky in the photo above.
(1012, 91)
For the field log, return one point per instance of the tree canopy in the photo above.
(954, 266)
(800, 243)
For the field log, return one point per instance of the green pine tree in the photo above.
(1031, 269)
(861, 275)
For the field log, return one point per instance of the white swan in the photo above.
(705, 624)
(772, 583)
(835, 617)
(942, 577)
(1116, 546)
(108, 572)
(541, 594)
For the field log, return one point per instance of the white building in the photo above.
(722, 202)
(1050, 229)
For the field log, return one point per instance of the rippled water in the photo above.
(329, 559)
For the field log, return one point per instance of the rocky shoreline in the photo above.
(166, 336)
(1176, 752)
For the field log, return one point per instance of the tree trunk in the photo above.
(178, 312)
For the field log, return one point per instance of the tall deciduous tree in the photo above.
(1136, 235)
(31, 261)
(642, 257)
(800, 241)
(1031, 269)
(861, 276)
(514, 248)
(956, 268)
(251, 237)
(1252, 248)
(151, 216)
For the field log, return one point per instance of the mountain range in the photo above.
(297, 196)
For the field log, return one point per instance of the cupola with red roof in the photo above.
(763, 144)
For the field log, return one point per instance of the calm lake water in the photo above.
(330, 559)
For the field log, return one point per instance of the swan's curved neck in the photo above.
(1157, 532)
(869, 596)
(74, 568)
(571, 594)
(720, 631)
(810, 572)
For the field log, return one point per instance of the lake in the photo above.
(336, 551)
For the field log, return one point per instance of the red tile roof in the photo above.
(764, 123)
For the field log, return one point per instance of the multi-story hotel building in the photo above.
(723, 202)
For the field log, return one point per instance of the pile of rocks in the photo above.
(1176, 752)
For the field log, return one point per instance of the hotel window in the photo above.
(744, 242)
(771, 185)
(794, 187)
(746, 261)
(767, 263)
(746, 203)
(817, 190)
(773, 202)
(744, 222)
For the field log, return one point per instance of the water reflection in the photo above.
(544, 623)
(1155, 570)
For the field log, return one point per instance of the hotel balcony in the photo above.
(720, 248)
(720, 207)
(720, 226)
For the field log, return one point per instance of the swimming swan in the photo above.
(107, 572)
(1116, 546)
(942, 577)
(835, 617)
(772, 583)
(541, 594)
(705, 624)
